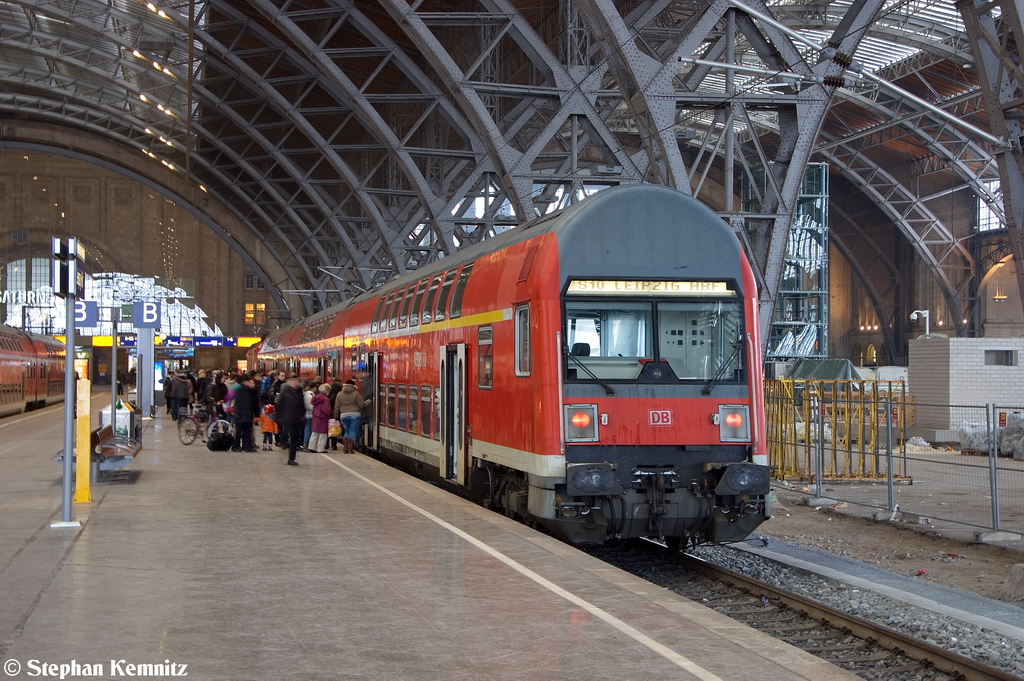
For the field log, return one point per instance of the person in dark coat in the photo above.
(291, 414)
(245, 408)
(180, 390)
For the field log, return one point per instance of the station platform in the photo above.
(242, 567)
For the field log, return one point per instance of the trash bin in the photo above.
(127, 423)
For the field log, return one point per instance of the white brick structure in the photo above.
(966, 372)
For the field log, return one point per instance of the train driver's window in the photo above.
(425, 419)
(701, 339)
(522, 321)
(485, 357)
(414, 313)
(609, 338)
(393, 317)
(428, 304)
(442, 298)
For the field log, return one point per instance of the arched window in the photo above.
(858, 355)
(871, 356)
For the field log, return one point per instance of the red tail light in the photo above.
(580, 423)
(580, 419)
(734, 420)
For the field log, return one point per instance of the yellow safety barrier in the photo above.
(83, 441)
(850, 419)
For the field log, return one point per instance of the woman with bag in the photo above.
(348, 408)
(321, 416)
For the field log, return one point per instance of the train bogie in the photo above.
(570, 372)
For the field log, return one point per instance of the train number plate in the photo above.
(660, 417)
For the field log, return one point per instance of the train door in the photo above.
(372, 428)
(453, 412)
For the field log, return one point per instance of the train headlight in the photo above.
(734, 422)
(591, 480)
(581, 423)
(744, 479)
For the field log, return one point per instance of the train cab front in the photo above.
(662, 419)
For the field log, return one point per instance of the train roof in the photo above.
(616, 227)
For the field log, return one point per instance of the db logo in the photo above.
(660, 417)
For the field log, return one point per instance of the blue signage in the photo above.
(87, 313)
(146, 315)
(209, 342)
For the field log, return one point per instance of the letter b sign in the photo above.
(86, 313)
(146, 315)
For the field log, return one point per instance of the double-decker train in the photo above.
(596, 371)
(31, 370)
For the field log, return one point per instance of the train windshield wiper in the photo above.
(610, 390)
(736, 347)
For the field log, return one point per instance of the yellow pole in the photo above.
(83, 492)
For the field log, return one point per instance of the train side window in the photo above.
(393, 317)
(428, 304)
(403, 409)
(376, 315)
(390, 406)
(485, 357)
(414, 313)
(382, 403)
(460, 291)
(437, 411)
(403, 317)
(522, 317)
(442, 299)
(382, 324)
(425, 420)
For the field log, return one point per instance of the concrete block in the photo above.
(1013, 588)
(818, 501)
(986, 537)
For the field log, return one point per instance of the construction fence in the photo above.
(848, 440)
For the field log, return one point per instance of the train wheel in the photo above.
(188, 429)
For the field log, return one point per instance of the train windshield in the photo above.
(609, 338)
(700, 339)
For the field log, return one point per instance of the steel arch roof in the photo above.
(357, 140)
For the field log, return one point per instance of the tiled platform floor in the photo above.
(244, 568)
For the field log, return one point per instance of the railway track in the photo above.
(870, 650)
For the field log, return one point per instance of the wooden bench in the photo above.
(108, 450)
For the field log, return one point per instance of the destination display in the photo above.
(640, 287)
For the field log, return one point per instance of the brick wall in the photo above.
(953, 371)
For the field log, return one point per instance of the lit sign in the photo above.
(210, 342)
(620, 287)
(40, 298)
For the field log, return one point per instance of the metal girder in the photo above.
(995, 32)
(937, 247)
(662, 99)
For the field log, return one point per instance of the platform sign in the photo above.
(87, 313)
(146, 315)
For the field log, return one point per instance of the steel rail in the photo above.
(926, 653)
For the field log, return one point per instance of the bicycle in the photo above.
(191, 425)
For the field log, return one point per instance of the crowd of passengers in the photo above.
(293, 414)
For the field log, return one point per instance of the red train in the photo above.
(596, 371)
(31, 371)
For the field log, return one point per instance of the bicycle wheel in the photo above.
(219, 426)
(188, 429)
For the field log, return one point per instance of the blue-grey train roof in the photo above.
(630, 231)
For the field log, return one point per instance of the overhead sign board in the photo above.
(146, 315)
